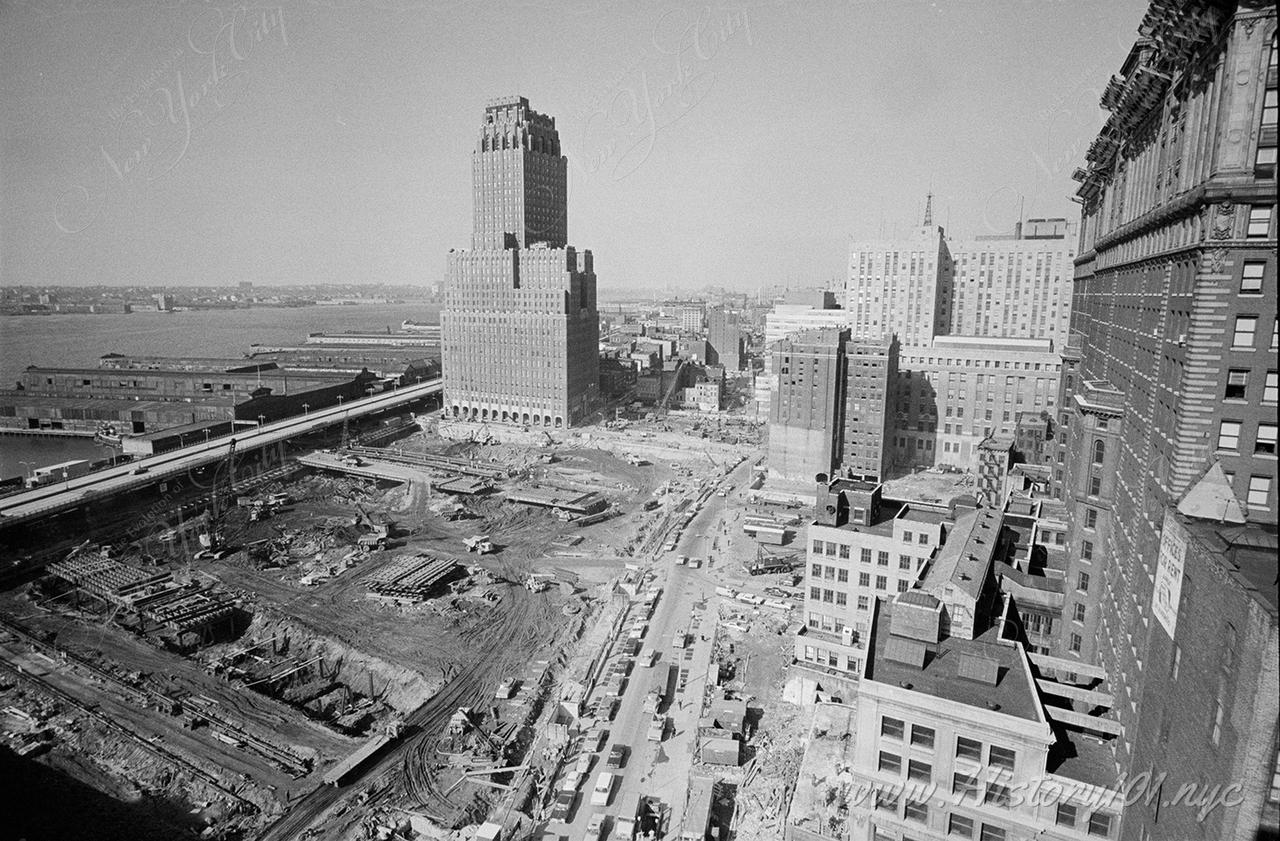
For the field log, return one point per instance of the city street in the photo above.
(661, 769)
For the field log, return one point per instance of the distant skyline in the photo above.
(330, 141)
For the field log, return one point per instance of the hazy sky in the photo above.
(329, 141)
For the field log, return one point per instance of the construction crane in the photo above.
(210, 538)
(661, 408)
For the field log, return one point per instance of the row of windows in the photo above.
(1237, 387)
(1244, 337)
(1264, 440)
(822, 657)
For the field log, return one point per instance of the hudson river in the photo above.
(79, 340)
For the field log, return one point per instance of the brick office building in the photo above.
(519, 325)
(1168, 413)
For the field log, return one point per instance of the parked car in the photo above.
(563, 806)
(603, 790)
(617, 757)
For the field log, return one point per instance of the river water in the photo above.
(79, 340)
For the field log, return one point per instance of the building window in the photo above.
(904, 562)
(919, 771)
(1229, 435)
(1099, 451)
(887, 801)
(918, 812)
(1073, 644)
(922, 737)
(1078, 613)
(1095, 485)
(997, 795)
(960, 826)
(1091, 518)
(1100, 824)
(882, 583)
(999, 757)
(864, 579)
(964, 784)
(1259, 491)
(842, 576)
(1082, 582)
(815, 593)
(841, 599)
(892, 728)
(817, 547)
(922, 539)
(1066, 815)
(815, 570)
(992, 833)
(882, 559)
(1259, 221)
(1251, 277)
(1086, 550)
(1237, 384)
(865, 556)
(1246, 328)
(844, 552)
(968, 749)
(864, 603)
(1270, 107)
(890, 763)
(906, 536)
(1271, 387)
(1265, 442)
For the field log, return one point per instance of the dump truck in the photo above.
(479, 543)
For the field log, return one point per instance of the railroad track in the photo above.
(413, 757)
(111, 724)
(282, 758)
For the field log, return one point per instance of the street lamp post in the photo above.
(206, 436)
(261, 419)
(306, 409)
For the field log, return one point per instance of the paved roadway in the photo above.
(174, 462)
(662, 769)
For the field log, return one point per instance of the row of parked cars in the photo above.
(613, 684)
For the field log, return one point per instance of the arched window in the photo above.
(1099, 451)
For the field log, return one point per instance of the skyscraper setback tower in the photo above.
(519, 178)
(519, 328)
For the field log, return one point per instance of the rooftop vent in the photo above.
(905, 651)
(982, 669)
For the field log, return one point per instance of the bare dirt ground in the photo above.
(449, 651)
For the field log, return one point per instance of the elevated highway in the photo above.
(60, 496)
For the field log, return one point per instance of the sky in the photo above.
(739, 144)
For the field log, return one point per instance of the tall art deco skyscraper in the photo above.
(519, 326)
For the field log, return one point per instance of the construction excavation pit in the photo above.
(388, 624)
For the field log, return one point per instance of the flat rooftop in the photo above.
(930, 486)
(1083, 758)
(1247, 552)
(830, 751)
(16, 397)
(1012, 693)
